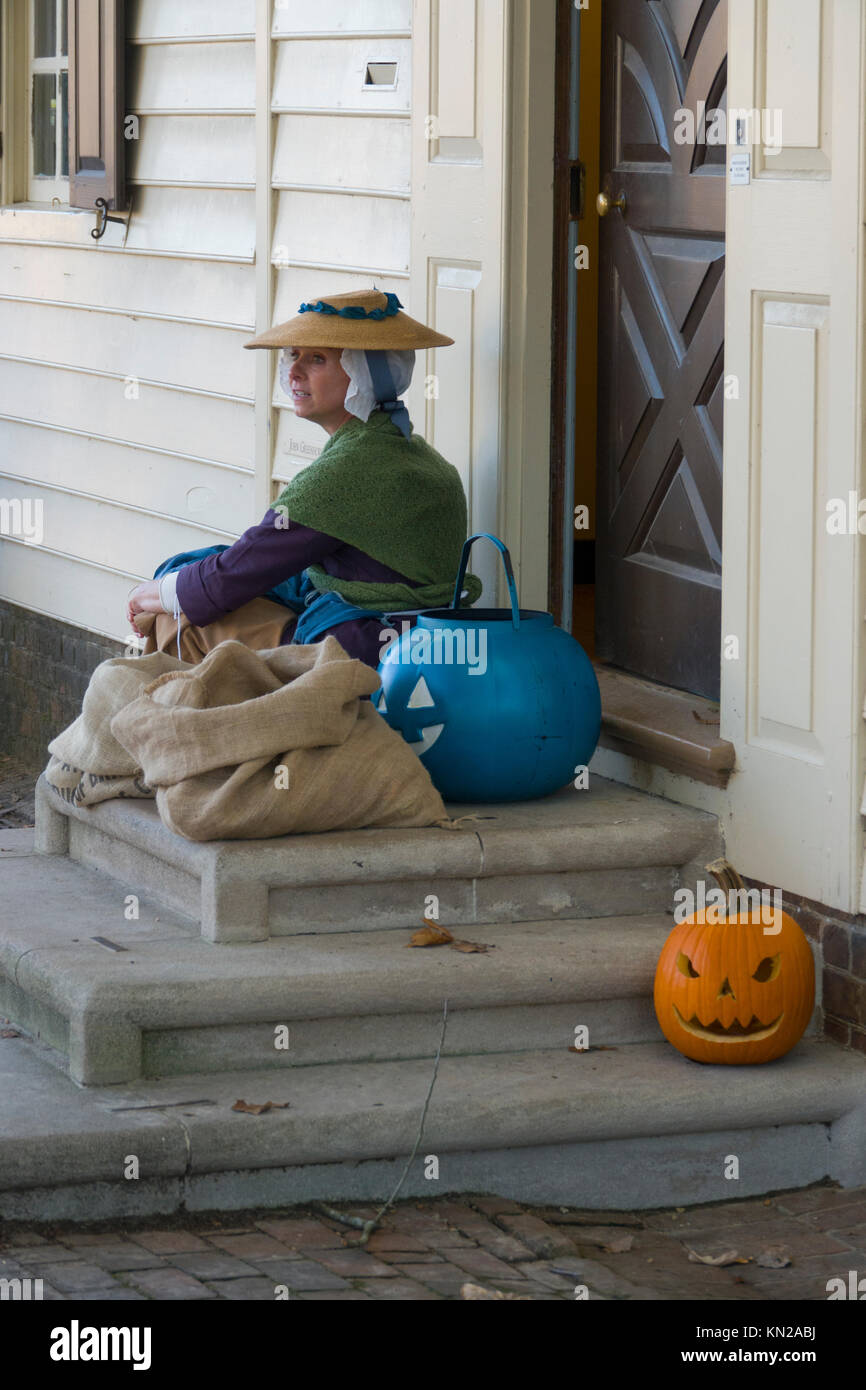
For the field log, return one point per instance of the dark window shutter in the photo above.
(96, 103)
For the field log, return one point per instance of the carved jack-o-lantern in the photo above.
(420, 707)
(734, 990)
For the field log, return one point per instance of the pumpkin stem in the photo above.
(725, 875)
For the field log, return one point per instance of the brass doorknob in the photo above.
(604, 204)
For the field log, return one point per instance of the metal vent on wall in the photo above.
(381, 74)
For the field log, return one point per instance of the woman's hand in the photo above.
(144, 599)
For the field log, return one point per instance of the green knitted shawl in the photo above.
(394, 498)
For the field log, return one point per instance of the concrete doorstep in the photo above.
(637, 1126)
(110, 985)
(603, 852)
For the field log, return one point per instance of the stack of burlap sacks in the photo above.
(246, 745)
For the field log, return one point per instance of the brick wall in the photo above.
(45, 666)
(842, 941)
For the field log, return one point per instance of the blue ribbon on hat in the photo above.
(355, 311)
(386, 390)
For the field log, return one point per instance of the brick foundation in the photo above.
(45, 666)
(842, 941)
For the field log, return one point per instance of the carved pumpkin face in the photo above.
(412, 721)
(729, 992)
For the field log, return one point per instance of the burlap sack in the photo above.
(82, 788)
(87, 764)
(249, 745)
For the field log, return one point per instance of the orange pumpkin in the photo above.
(727, 991)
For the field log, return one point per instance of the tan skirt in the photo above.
(260, 625)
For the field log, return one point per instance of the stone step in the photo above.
(119, 998)
(607, 851)
(167, 1002)
(639, 1126)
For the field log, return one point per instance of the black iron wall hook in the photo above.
(103, 219)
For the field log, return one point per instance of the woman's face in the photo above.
(318, 386)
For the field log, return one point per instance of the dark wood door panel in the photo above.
(661, 363)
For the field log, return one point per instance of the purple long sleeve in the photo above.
(263, 557)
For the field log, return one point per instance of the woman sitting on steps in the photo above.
(375, 525)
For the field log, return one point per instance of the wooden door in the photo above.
(661, 333)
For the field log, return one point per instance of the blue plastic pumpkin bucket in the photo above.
(499, 703)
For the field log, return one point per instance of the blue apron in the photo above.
(318, 611)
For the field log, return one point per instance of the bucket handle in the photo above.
(509, 573)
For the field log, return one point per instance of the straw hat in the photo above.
(365, 319)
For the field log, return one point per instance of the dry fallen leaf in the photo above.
(619, 1245)
(260, 1109)
(773, 1258)
(475, 1291)
(470, 947)
(431, 935)
(701, 720)
(730, 1257)
(9, 1033)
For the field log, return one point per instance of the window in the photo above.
(49, 101)
(61, 102)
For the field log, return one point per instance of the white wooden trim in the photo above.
(265, 212)
(145, 40)
(796, 239)
(527, 293)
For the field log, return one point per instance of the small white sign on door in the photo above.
(740, 167)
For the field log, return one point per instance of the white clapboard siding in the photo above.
(149, 19)
(299, 443)
(205, 427)
(163, 308)
(343, 152)
(297, 285)
(171, 300)
(194, 149)
(206, 494)
(37, 222)
(103, 533)
(194, 77)
(300, 17)
(219, 293)
(329, 74)
(195, 221)
(334, 228)
(205, 359)
(73, 590)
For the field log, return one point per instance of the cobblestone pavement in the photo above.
(17, 794)
(432, 1249)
